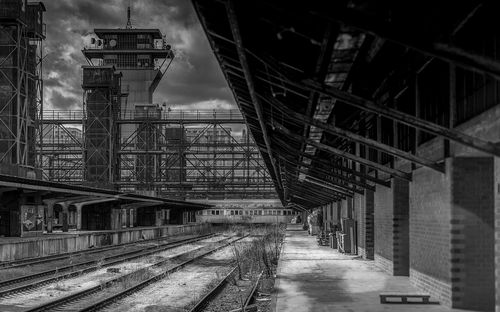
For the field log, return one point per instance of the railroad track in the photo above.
(249, 303)
(73, 301)
(5, 265)
(53, 275)
(205, 300)
(214, 292)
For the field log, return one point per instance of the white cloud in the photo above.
(211, 104)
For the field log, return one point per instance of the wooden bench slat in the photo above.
(404, 298)
(403, 295)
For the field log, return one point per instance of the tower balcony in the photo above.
(94, 52)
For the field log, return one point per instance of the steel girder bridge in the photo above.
(178, 154)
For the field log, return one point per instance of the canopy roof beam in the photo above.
(334, 166)
(359, 139)
(314, 169)
(233, 21)
(341, 153)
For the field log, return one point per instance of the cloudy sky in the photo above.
(194, 80)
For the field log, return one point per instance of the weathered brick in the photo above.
(364, 208)
(391, 227)
(430, 233)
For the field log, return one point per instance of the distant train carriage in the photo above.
(242, 215)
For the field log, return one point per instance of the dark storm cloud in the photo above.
(193, 80)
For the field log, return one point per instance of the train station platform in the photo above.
(318, 278)
(16, 248)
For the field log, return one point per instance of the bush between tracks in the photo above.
(260, 254)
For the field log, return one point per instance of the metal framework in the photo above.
(21, 35)
(62, 146)
(181, 154)
(101, 101)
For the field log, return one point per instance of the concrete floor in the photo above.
(318, 278)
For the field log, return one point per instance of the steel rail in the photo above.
(33, 261)
(94, 266)
(59, 303)
(205, 300)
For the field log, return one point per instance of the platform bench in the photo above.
(404, 298)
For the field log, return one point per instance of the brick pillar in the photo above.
(430, 230)
(472, 233)
(64, 215)
(350, 207)
(365, 225)
(49, 217)
(338, 212)
(333, 213)
(326, 215)
(497, 232)
(116, 216)
(391, 227)
(401, 228)
(452, 220)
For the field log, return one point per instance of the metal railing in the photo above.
(62, 115)
(102, 45)
(181, 115)
(233, 114)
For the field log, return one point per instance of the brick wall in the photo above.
(472, 233)
(430, 233)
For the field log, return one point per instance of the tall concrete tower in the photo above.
(142, 56)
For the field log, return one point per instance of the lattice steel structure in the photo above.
(62, 148)
(101, 104)
(201, 154)
(22, 32)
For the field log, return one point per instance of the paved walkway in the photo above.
(317, 278)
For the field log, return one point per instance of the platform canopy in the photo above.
(85, 193)
(316, 82)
